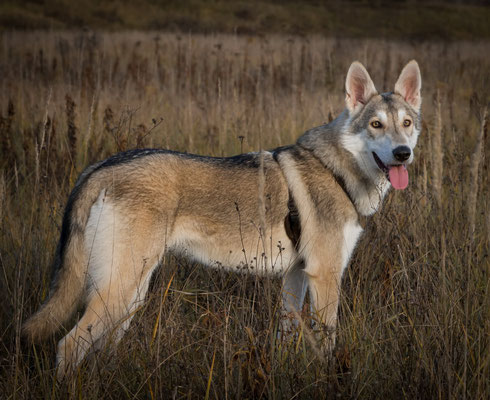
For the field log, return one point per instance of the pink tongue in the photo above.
(398, 176)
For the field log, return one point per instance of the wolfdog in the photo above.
(296, 206)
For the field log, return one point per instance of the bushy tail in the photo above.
(70, 266)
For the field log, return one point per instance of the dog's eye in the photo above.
(407, 123)
(376, 124)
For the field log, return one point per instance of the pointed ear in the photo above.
(409, 84)
(359, 87)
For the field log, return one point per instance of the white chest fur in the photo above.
(352, 230)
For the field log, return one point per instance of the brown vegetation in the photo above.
(414, 317)
(402, 19)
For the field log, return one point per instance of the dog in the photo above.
(292, 211)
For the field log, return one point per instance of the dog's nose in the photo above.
(402, 153)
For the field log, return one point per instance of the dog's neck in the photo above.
(366, 192)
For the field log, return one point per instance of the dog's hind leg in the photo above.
(122, 260)
(109, 310)
(108, 314)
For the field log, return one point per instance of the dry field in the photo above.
(415, 311)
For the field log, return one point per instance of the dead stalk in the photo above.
(2, 195)
(261, 199)
(474, 167)
(72, 128)
(437, 153)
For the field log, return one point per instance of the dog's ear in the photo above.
(409, 84)
(359, 87)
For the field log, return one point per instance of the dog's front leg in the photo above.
(293, 293)
(324, 295)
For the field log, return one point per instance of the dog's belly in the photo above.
(236, 250)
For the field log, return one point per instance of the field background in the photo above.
(404, 19)
(415, 310)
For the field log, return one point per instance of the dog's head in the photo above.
(382, 129)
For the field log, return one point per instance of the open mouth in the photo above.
(396, 174)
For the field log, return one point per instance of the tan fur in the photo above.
(125, 212)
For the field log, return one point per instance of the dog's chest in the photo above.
(351, 233)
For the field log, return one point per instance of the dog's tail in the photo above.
(70, 265)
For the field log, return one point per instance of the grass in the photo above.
(414, 316)
(401, 19)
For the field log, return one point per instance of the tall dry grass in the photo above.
(414, 317)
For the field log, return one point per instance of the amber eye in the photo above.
(376, 124)
(407, 123)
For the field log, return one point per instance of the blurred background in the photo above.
(404, 19)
